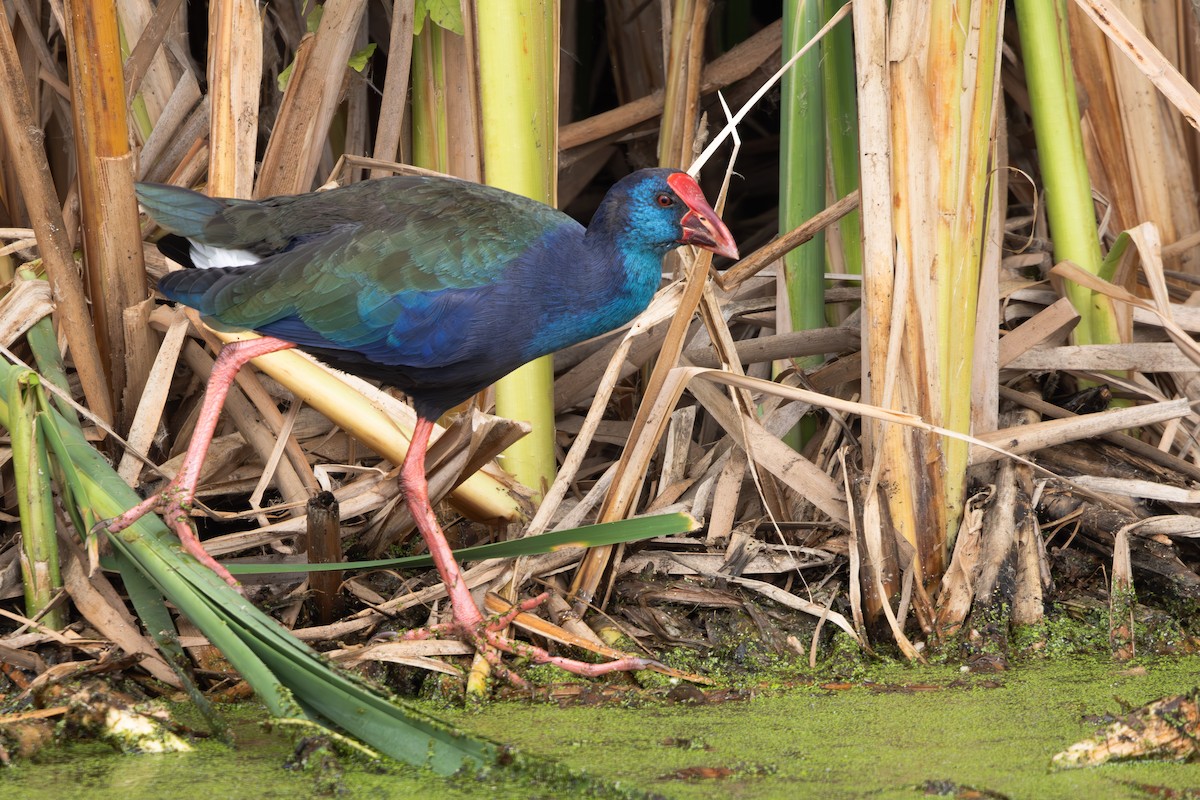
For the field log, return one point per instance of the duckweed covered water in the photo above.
(908, 733)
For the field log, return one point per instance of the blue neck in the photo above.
(601, 282)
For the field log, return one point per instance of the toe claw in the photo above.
(487, 637)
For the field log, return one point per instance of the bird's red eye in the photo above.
(665, 200)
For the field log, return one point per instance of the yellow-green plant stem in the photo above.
(518, 55)
(430, 134)
(841, 114)
(802, 164)
(964, 61)
(1055, 108)
(802, 173)
(31, 471)
(43, 343)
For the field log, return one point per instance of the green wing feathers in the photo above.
(416, 233)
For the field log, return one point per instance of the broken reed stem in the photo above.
(395, 86)
(147, 47)
(324, 547)
(773, 250)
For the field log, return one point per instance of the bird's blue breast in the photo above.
(566, 292)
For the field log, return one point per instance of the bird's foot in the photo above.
(486, 635)
(173, 504)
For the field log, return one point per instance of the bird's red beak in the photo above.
(701, 225)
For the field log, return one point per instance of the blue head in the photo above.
(657, 210)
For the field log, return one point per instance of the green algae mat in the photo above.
(902, 733)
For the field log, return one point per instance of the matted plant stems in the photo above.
(21, 134)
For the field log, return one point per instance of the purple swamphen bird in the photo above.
(436, 286)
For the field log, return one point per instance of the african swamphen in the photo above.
(433, 285)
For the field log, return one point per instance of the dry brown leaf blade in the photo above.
(1141, 52)
(1023, 439)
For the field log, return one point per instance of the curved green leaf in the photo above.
(626, 530)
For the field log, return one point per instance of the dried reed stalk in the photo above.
(879, 574)
(395, 86)
(112, 242)
(685, 62)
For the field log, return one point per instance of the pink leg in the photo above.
(176, 500)
(416, 491)
(469, 623)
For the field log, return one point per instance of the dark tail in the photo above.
(180, 211)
